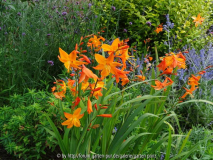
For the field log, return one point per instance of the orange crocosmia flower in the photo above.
(159, 28)
(189, 91)
(167, 71)
(63, 87)
(59, 95)
(74, 91)
(124, 81)
(85, 58)
(202, 72)
(106, 65)
(105, 115)
(96, 126)
(104, 107)
(124, 57)
(100, 84)
(89, 106)
(53, 89)
(86, 73)
(111, 48)
(150, 58)
(73, 119)
(160, 85)
(198, 20)
(172, 61)
(70, 83)
(95, 42)
(194, 80)
(96, 107)
(76, 102)
(70, 60)
(120, 74)
(84, 85)
(162, 66)
(61, 90)
(140, 77)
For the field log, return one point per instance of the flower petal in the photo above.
(67, 122)
(70, 125)
(106, 47)
(76, 122)
(99, 67)
(68, 115)
(100, 59)
(63, 55)
(77, 112)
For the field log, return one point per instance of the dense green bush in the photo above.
(22, 125)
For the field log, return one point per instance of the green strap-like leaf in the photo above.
(58, 136)
(184, 142)
(196, 100)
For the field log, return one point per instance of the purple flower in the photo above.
(54, 7)
(97, 17)
(5, 33)
(140, 63)
(113, 8)
(168, 24)
(46, 44)
(50, 62)
(162, 157)
(114, 130)
(149, 23)
(89, 5)
(130, 23)
(0, 28)
(23, 34)
(19, 14)
(64, 13)
(48, 35)
(125, 30)
(198, 62)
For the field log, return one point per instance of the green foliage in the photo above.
(140, 12)
(22, 132)
(30, 36)
(204, 150)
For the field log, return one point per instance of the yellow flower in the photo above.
(73, 119)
